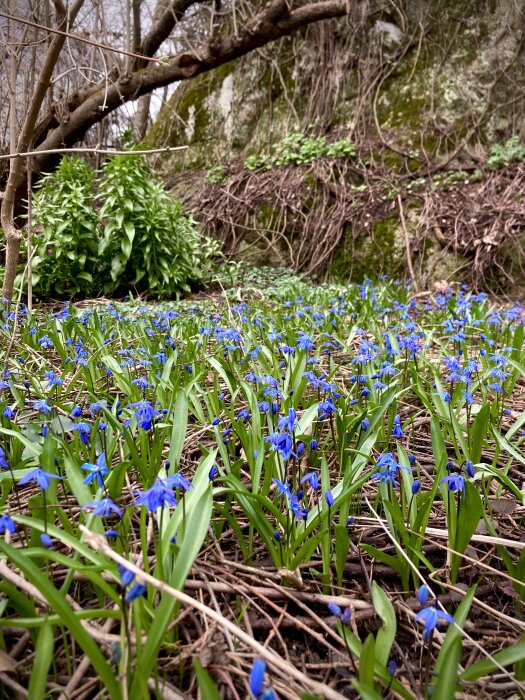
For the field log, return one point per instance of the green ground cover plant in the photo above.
(285, 491)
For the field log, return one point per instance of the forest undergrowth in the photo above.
(275, 491)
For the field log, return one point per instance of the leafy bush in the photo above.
(129, 235)
(216, 175)
(299, 149)
(65, 261)
(147, 240)
(503, 154)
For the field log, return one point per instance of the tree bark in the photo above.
(16, 166)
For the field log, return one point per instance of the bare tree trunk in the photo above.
(16, 170)
(141, 118)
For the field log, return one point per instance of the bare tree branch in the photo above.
(274, 22)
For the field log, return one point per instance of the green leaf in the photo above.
(446, 685)
(45, 648)
(178, 431)
(207, 687)
(366, 692)
(59, 605)
(367, 662)
(479, 432)
(342, 545)
(447, 662)
(198, 515)
(468, 517)
(387, 633)
(507, 657)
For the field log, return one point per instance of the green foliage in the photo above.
(299, 149)
(148, 241)
(65, 241)
(128, 236)
(216, 175)
(503, 154)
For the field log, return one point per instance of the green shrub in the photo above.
(299, 149)
(65, 240)
(128, 236)
(503, 154)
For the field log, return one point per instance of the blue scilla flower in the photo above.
(3, 460)
(386, 477)
(7, 524)
(177, 481)
(46, 540)
(328, 497)
(468, 396)
(52, 379)
(213, 472)
(76, 412)
(287, 349)
(282, 443)
(391, 467)
(343, 615)
(256, 678)
(160, 495)
(431, 617)
(142, 383)
(243, 415)
(391, 667)
(8, 413)
(83, 430)
(136, 591)
(397, 430)
(40, 477)
(304, 342)
(46, 342)
(96, 471)
(326, 408)
(312, 479)
(423, 593)
(105, 508)
(365, 424)
(297, 508)
(283, 489)
(126, 576)
(97, 407)
(42, 406)
(144, 414)
(455, 482)
(469, 468)
(289, 422)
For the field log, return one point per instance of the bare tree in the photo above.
(183, 39)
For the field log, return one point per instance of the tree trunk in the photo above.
(16, 168)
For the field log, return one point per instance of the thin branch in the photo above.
(101, 151)
(91, 42)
